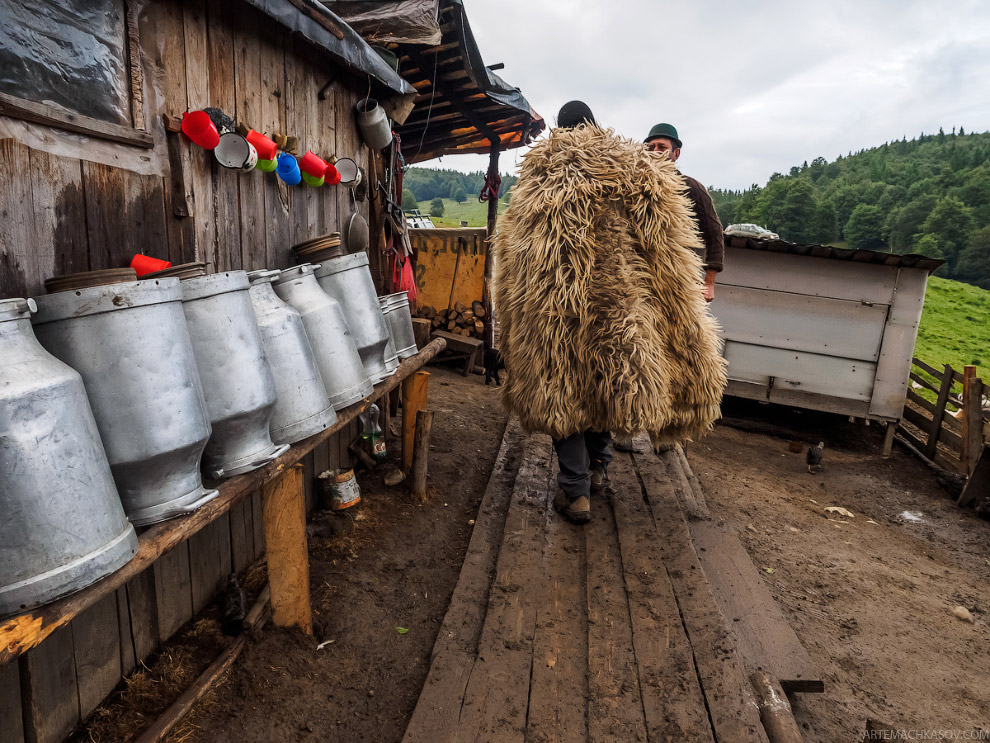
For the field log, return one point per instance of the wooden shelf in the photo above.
(20, 633)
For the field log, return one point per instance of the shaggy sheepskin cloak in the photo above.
(598, 290)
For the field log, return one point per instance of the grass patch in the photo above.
(955, 326)
(472, 211)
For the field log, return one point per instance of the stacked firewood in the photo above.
(459, 319)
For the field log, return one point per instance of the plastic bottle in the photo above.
(372, 437)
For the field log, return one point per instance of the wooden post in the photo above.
(422, 329)
(972, 421)
(489, 263)
(288, 559)
(888, 439)
(939, 415)
(415, 394)
(421, 454)
(775, 710)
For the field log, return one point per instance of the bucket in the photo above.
(373, 124)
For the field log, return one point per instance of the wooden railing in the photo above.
(952, 427)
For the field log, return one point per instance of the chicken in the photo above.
(814, 457)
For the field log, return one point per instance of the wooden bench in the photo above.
(470, 348)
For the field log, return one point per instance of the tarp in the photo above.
(383, 21)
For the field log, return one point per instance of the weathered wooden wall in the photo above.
(61, 214)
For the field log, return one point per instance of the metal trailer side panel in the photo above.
(799, 322)
(803, 274)
(897, 348)
(800, 371)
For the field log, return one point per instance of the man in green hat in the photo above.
(663, 139)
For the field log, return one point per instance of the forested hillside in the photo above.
(929, 195)
(427, 184)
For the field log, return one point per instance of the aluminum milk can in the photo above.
(400, 323)
(303, 407)
(62, 527)
(130, 344)
(237, 383)
(348, 280)
(340, 364)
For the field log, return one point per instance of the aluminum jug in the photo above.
(237, 383)
(130, 344)
(63, 527)
(303, 407)
(348, 280)
(340, 364)
(400, 323)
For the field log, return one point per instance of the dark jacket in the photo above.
(708, 223)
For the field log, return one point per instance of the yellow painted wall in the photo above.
(450, 265)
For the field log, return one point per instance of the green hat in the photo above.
(664, 130)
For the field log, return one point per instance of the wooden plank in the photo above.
(194, 23)
(96, 640)
(972, 421)
(59, 213)
(48, 689)
(946, 373)
(301, 119)
(247, 82)
(143, 613)
(173, 592)
(673, 703)
(241, 536)
(558, 707)
(206, 563)
(20, 633)
(258, 523)
(17, 270)
(923, 382)
(921, 402)
(732, 709)
(497, 694)
(12, 729)
(276, 192)
(288, 558)
(435, 717)
(919, 420)
(978, 486)
(938, 414)
(225, 183)
(128, 661)
(615, 705)
(41, 113)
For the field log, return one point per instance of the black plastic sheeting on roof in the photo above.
(875, 257)
(300, 17)
(384, 21)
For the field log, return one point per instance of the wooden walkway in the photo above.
(607, 632)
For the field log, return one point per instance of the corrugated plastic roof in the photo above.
(875, 257)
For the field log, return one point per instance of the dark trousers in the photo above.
(577, 455)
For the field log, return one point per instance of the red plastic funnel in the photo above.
(266, 147)
(312, 165)
(143, 264)
(198, 126)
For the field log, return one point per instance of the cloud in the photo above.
(753, 88)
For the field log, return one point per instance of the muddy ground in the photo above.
(871, 596)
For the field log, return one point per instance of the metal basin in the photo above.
(400, 323)
(237, 383)
(130, 344)
(303, 407)
(348, 280)
(337, 356)
(63, 527)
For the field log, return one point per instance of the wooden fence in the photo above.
(951, 430)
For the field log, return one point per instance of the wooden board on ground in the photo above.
(436, 714)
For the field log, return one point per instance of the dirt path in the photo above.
(872, 596)
(396, 568)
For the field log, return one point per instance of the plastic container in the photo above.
(265, 147)
(310, 180)
(288, 169)
(313, 165)
(198, 126)
(143, 264)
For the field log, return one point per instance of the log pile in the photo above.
(459, 319)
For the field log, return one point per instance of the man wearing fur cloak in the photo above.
(598, 290)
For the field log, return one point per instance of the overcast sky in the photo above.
(752, 87)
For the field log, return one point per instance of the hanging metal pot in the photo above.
(63, 527)
(237, 383)
(373, 124)
(340, 363)
(348, 280)
(400, 323)
(303, 407)
(130, 344)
